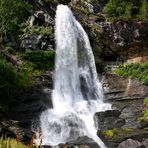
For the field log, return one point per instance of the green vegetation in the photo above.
(12, 79)
(136, 70)
(145, 111)
(118, 132)
(144, 10)
(10, 50)
(109, 133)
(13, 76)
(119, 9)
(39, 30)
(8, 75)
(42, 60)
(12, 14)
(11, 143)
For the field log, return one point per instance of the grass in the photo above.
(11, 143)
(136, 70)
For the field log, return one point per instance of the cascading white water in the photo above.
(77, 93)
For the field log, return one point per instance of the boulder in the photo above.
(82, 142)
(145, 142)
(113, 137)
(129, 143)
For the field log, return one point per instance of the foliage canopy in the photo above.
(12, 14)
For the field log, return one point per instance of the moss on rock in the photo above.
(117, 135)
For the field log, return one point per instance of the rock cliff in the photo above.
(125, 40)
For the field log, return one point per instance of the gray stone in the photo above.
(84, 142)
(130, 143)
(11, 128)
(145, 142)
(36, 42)
(108, 120)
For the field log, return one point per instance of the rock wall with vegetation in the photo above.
(118, 32)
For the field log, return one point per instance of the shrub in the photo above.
(137, 70)
(42, 60)
(118, 9)
(146, 101)
(144, 10)
(114, 8)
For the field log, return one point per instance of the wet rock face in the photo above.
(81, 142)
(31, 102)
(30, 105)
(108, 120)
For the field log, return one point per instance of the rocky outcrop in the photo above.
(126, 95)
(10, 128)
(118, 88)
(116, 132)
(34, 41)
(108, 120)
(114, 137)
(112, 40)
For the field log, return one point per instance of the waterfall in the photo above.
(77, 93)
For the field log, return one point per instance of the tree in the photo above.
(12, 13)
